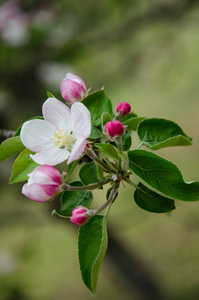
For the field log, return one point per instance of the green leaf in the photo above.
(151, 201)
(88, 173)
(72, 199)
(95, 133)
(19, 128)
(126, 141)
(100, 173)
(97, 103)
(92, 248)
(70, 169)
(105, 118)
(162, 175)
(23, 165)
(10, 147)
(132, 121)
(159, 133)
(108, 150)
(50, 95)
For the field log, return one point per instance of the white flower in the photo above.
(60, 136)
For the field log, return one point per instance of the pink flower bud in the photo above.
(73, 88)
(79, 215)
(123, 108)
(43, 184)
(114, 128)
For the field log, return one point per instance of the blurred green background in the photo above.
(143, 52)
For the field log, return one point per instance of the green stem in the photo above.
(139, 146)
(132, 183)
(118, 141)
(91, 186)
(94, 157)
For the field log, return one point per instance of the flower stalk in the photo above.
(91, 186)
(94, 157)
(108, 202)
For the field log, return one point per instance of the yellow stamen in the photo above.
(63, 140)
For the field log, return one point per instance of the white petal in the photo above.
(80, 120)
(77, 150)
(36, 135)
(51, 157)
(57, 113)
(35, 192)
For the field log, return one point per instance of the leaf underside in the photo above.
(162, 175)
(160, 133)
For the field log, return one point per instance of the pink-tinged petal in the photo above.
(80, 120)
(45, 174)
(52, 157)
(36, 135)
(72, 91)
(79, 215)
(36, 192)
(77, 150)
(76, 78)
(114, 128)
(56, 113)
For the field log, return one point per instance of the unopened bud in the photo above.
(73, 88)
(79, 215)
(43, 184)
(114, 128)
(123, 108)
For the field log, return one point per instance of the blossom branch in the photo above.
(109, 201)
(91, 186)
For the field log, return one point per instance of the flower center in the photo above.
(64, 140)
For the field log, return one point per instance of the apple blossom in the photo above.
(114, 128)
(43, 184)
(60, 136)
(73, 88)
(123, 108)
(79, 215)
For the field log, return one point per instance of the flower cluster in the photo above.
(61, 136)
(85, 130)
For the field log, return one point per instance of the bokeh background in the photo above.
(145, 53)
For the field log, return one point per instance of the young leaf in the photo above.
(159, 133)
(132, 121)
(70, 169)
(105, 118)
(10, 147)
(95, 133)
(92, 248)
(100, 173)
(151, 201)
(162, 175)
(23, 165)
(88, 173)
(97, 103)
(72, 199)
(126, 141)
(50, 95)
(108, 150)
